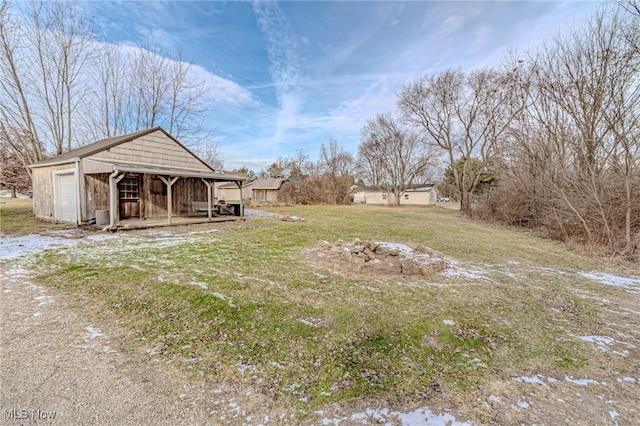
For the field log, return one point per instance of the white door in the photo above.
(66, 207)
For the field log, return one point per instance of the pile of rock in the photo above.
(392, 258)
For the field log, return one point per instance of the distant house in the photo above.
(418, 195)
(148, 174)
(265, 190)
(230, 191)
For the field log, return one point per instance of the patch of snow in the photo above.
(613, 414)
(420, 416)
(276, 364)
(601, 340)
(632, 285)
(259, 213)
(307, 322)
(152, 352)
(449, 322)
(14, 247)
(403, 248)
(523, 404)
(225, 298)
(93, 332)
(494, 398)
(200, 284)
(581, 382)
(456, 269)
(478, 362)
(626, 380)
(532, 380)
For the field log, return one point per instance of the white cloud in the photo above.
(452, 24)
(284, 67)
(220, 89)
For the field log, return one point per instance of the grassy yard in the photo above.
(16, 218)
(246, 306)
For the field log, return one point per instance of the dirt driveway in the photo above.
(57, 367)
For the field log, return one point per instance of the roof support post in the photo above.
(239, 183)
(209, 197)
(169, 181)
(114, 211)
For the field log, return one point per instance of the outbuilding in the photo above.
(413, 195)
(143, 176)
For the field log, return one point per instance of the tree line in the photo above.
(62, 87)
(557, 130)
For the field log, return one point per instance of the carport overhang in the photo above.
(168, 176)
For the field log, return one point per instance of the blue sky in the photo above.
(289, 75)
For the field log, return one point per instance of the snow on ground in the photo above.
(259, 213)
(456, 268)
(420, 416)
(14, 247)
(631, 285)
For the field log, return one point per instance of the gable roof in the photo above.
(103, 145)
(266, 184)
(233, 185)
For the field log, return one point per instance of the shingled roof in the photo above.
(102, 145)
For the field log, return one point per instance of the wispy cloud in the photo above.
(452, 24)
(218, 89)
(282, 46)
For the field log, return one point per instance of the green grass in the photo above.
(379, 337)
(16, 218)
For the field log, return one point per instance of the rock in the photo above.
(326, 245)
(382, 250)
(387, 267)
(373, 245)
(409, 268)
(394, 252)
(371, 255)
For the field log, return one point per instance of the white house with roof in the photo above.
(414, 195)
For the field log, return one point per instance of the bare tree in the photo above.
(337, 164)
(572, 154)
(403, 157)
(211, 155)
(60, 87)
(463, 114)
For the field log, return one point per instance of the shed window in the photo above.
(129, 188)
(384, 196)
(406, 196)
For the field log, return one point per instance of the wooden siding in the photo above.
(264, 195)
(91, 167)
(42, 182)
(184, 191)
(153, 192)
(97, 194)
(154, 149)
